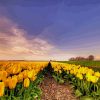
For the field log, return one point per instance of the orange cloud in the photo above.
(97, 57)
(15, 44)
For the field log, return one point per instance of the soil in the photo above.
(51, 90)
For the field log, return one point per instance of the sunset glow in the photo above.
(49, 30)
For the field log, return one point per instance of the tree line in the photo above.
(79, 58)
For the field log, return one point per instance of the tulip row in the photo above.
(85, 80)
(14, 73)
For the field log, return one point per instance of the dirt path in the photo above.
(54, 91)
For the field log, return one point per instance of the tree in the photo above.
(91, 57)
(72, 59)
(79, 58)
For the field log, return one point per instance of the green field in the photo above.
(91, 64)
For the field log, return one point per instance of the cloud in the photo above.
(14, 42)
(58, 54)
(97, 57)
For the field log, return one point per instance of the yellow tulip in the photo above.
(71, 71)
(2, 88)
(20, 77)
(5, 74)
(25, 74)
(30, 74)
(80, 76)
(97, 74)
(6, 82)
(26, 82)
(16, 70)
(94, 79)
(12, 82)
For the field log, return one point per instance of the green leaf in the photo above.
(61, 81)
(78, 93)
(86, 98)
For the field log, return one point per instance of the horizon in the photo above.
(49, 30)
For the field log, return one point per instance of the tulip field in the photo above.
(91, 64)
(19, 80)
(85, 81)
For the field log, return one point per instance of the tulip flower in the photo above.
(2, 88)
(26, 82)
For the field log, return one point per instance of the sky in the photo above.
(49, 29)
